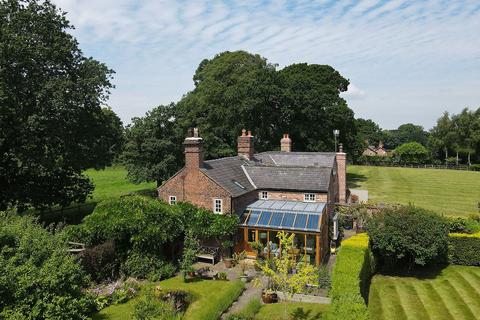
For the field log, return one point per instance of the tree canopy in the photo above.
(52, 125)
(411, 152)
(236, 90)
(458, 134)
(408, 236)
(39, 278)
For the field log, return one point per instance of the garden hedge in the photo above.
(351, 279)
(464, 249)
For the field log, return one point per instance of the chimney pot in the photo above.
(193, 149)
(340, 148)
(286, 143)
(245, 145)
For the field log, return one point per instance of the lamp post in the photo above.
(336, 133)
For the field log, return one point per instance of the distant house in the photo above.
(376, 151)
(269, 191)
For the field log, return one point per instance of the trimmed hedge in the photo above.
(351, 279)
(464, 249)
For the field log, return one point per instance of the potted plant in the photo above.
(226, 246)
(243, 275)
(269, 296)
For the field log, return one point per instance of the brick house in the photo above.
(371, 151)
(269, 191)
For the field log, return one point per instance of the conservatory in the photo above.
(263, 219)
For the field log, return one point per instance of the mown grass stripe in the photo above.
(409, 298)
(375, 309)
(433, 301)
(394, 309)
(454, 301)
(469, 293)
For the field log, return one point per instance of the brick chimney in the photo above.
(245, 144)
(286, 143)
(193, 150)
(342, 174)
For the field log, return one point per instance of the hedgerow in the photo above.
(351, 280)
(464, 249)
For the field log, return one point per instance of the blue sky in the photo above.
(407, 61)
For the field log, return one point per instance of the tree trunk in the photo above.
(457, 158)
(469, 163)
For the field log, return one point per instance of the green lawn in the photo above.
(211, 299)
(448, 192)
(297, 310)
(453, 294)
(112, 183)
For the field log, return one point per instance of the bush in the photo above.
(408, 236)
(475, 167)
(149, 308)
(464, 249)
(39, 279)
(351, 280)
(248, 312)
(411, 153)
(324, 279)
(464, 225)
(147, 266)
(100, 262)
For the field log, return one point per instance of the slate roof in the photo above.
(290, 178)
(228, 173)
(302, 171)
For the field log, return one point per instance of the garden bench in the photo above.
(208, 253)
(76, 247)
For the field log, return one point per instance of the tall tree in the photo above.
(153, 151)
(407, 132)
(51, 122)
(311, 107)
(234, 90)
(368, 131)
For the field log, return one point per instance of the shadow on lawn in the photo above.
(424, 273)
(300, 314)
(354, 179)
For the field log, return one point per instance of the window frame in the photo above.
(309, 197)
(261, 195)
(172, 200)
(215, 205)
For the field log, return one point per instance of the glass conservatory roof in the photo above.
(284, 215)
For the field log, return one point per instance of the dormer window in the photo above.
(309, 197)
(264, 195)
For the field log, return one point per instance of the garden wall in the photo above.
(464, 249)
(351, 279)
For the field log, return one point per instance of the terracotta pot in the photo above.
(228, 262)
(269, 297)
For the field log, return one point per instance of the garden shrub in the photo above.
(100, 261)
(151, 308)
(464, 249)
(471, 224)
(351, 279)
(147, 266)
(324, 279)
(39, 279)
(408, 236)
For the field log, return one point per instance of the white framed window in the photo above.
(264, 195)
(309, 197)
(217, 205)
(172, 199)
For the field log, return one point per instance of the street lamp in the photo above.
(336, 133)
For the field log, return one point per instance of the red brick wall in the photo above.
(239, 203)
(195, 187)
(293, 195)
(342, 176)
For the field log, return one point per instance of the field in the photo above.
(211, 299)
(112, 183)
(449, 192)
(453, 294)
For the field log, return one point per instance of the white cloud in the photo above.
(353, 92)
(385, 45)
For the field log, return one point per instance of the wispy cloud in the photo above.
(408, 55)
